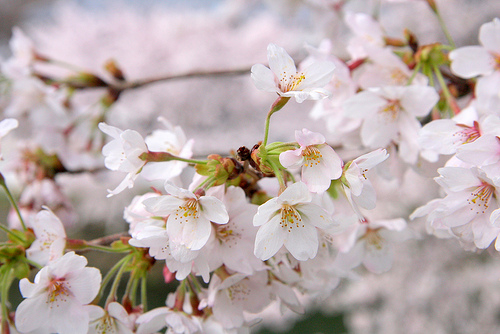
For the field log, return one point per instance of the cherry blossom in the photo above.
(122, 154)
(283, 78)
(50, 238)
(357, 187)
(318, 161)
(290, 219)
(114, 319)
(171, 140)
(55, 301)
(189, 216)
(390, 115)
(471, 61)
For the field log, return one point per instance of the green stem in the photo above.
(12, 201)
(5, 279)
(206, 184)
(144, 295)
(444, 87)
(110, 274)
(444, 28)
(133, 296)
(106, 249)
(277, 105)
(279, 176)
(33, 263)
(113, 292)
(414, 73)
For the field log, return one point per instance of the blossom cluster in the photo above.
(277, 225)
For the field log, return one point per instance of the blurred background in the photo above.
(434, 286)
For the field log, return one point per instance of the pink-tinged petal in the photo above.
(70, 319)
(483, 151)
(378, 258)
(352, 258)
(456, 179)
(379, 130)
(179, 192)
(318, 74)
(70, 262)
(296, 193)
(363, 104)
(495, 218)
(163, 205)
(316, 177)
(470, 61)
(307, 138)
(314, 215)
(213, 209)
(269, 239)
(281, 63)
(484, 233)
(489, 35)
(291, 158)
(263, 78)
(266, 211)
(302, 242)
(85, 284)
(32, 313)
(152, 321)
(419, 100)
(332, 161)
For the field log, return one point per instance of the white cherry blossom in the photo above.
(471, 61)
(114, 319)
(50, 238)
(283, 78)
(189, 216)
(292, 220)
(172, 140)
(55, 301)
(390, 116)
(318, 161)
(122, 154)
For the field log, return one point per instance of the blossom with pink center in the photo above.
(283, 78)
(467, 210)
(55, 301)
(318, 161)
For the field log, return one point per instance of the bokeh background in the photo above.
(434, 286)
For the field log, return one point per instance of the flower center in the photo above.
(292, 82)
(290, 217)
(469, 133)
(373, 239)
(480, 198)
(391, 109)
(227, 235)
(58, 292)
(187, 211)
(239, 291)
(312, 155)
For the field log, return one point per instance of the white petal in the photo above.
(302, 242)
(470, 61)
(280, 62)
(213, 209)
(263, 78)
(489, 35)
(269, 239)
